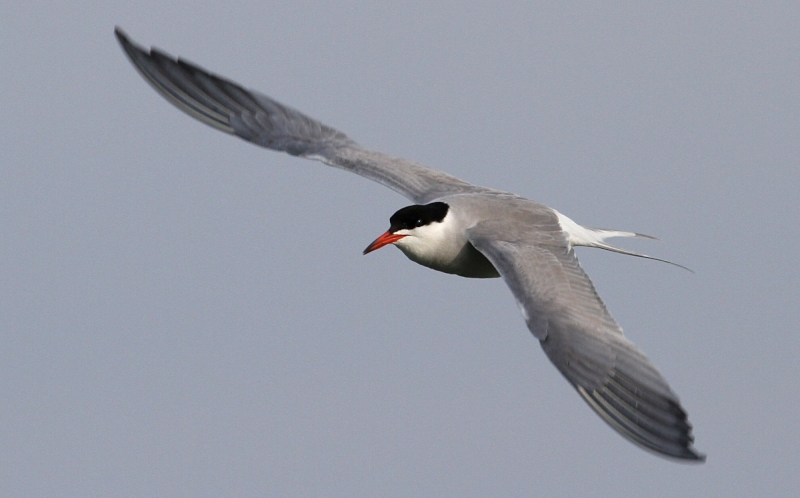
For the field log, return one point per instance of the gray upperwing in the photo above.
(562, 309)
(259, 119)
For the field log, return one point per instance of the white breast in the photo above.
(444, 247)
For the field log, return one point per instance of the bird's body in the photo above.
(463, 229)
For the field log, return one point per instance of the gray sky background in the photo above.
(185, 314)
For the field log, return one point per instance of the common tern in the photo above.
(468, 230)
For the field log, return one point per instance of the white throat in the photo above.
(443, 246)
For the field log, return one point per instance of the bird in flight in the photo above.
(468, 230)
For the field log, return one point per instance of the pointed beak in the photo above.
(384, 240)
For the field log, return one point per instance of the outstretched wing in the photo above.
(261, 120)
(578, 334)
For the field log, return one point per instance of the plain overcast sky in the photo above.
(185, 314)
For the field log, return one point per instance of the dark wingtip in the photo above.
(121, 35)
(692, 456)
(654, 423)
(125, 42)
(689, 455)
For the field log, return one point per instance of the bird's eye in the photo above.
(418, 223)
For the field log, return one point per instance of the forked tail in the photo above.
(595, 237)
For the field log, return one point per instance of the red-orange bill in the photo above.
(384, 240)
